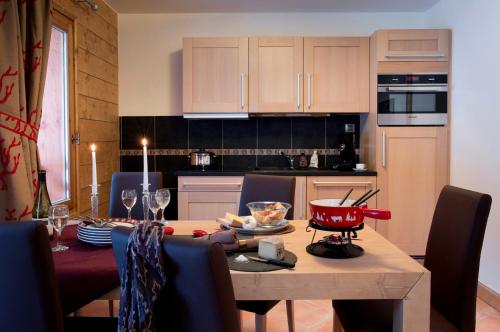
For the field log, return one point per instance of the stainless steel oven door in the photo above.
(412, 105)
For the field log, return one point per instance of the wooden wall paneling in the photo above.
(94, 87)
(96, 63)
(97, 67)
(91, 42)
(95, 109)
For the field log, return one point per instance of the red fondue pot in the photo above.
(327, 212)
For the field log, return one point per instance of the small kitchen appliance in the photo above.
(347, 153)
(412, 100)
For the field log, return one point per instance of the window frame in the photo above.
(67, 24)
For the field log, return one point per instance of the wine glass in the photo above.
(153, 205)
(163, 198)
(129, 198)
(58, 218)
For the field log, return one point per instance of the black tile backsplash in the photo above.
(134, 128)
(254, 134)
(171, 132)
(205, 134)
(308, 133)
(274, 133)
(239, 134)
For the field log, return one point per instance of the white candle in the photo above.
(94, 170)
(145, 181)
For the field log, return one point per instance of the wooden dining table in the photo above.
(383, 272)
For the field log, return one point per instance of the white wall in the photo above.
(149, 45)
(475, 127)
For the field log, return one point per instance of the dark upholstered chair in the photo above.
(130, 180)
(452, 255)
(30, 297)
(255, 188)
(199, 294)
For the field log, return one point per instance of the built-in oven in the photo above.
(412, 100)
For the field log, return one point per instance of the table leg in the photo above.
(412, 314)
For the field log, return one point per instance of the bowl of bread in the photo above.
(268, 213)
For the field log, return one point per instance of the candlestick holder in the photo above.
(94, 205)
(145, 205)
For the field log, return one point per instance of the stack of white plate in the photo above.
(98, 236)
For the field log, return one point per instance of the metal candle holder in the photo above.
(145, 203)
(94, 203)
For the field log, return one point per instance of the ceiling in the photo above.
(264, 6)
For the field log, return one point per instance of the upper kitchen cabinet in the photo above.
(413, 45)
(336, 73)
(215, 75)
(276, 75)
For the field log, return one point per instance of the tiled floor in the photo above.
(313, 316)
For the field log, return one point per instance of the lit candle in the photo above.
(145, 181)
(94, 170)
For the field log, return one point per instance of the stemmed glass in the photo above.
(153, 205)
(129, 198)
(163, 198)
(58, 218)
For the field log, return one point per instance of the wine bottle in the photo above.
(40, 210)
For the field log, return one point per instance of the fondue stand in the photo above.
(332, 246)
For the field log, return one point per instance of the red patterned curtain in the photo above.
(24, 45)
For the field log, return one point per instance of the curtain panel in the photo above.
(25, 27)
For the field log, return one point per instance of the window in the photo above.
(57, 124)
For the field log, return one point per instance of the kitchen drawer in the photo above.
(207, 205)
(210, 183)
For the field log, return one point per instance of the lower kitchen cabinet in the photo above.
(412, 167)
(208, 197)
(300, 206)
(321, 187)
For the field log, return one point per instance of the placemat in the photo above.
(253, 266)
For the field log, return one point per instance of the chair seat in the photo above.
(258, 307)
(376, 316)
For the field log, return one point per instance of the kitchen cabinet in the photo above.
(208, 197)
(322, 187)
(412, 167)
(300, 207)
(215, 75)
(413, 45)
(336, 71)
(276, 74)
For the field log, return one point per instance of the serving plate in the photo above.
(259, 230)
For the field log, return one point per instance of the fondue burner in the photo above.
(333, 245)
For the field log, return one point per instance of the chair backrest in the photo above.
(454, 251)
(29, 298)
(198, 295)
(130, 180)
(258, 187)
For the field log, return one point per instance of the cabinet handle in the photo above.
(384, 141)
(301, 214)
(298, 92)
(342, 184)
(423, 55)
(309, 91)
(242, 92)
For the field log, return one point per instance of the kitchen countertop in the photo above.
(295, 172)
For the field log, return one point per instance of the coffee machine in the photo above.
(347, 160)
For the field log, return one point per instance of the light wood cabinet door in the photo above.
(412, 166)
(208, 197)
(300, 201)
(322, 187)
(413, 45)
(276, 74)
(215, 75)
(336, 75)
